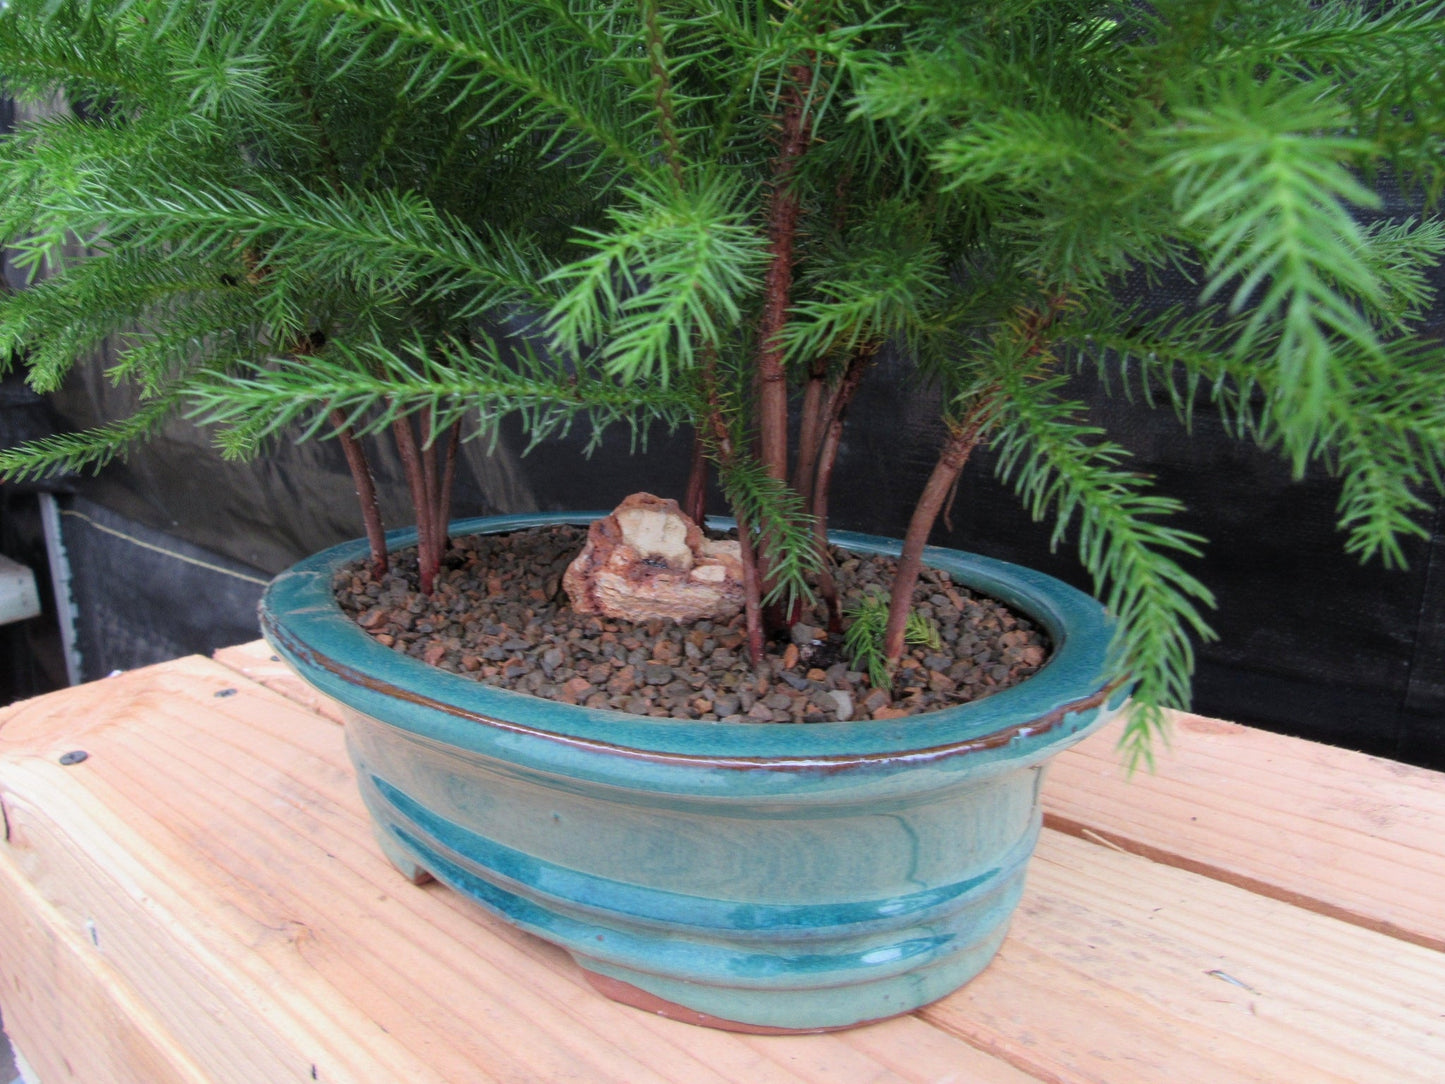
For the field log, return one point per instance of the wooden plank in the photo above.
(256, 661)
(1348, 835)
(215, 840)
(1119, 969)
(68, 1013)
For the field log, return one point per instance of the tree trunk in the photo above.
(694, 501)
(956, 449)
(783, 212)
(811, 426)
(822, 486)
(832, 436)
(722, 442)
(427, 556)
(752, 592)
(365, 493)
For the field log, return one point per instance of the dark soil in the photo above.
(499, 615)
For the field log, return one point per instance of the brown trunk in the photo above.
(752, 592)
(955, 453)
(365, 492)
(694, 501)
(752, 575)
(783, 212)
(823, 477)
(832, 437)
(411, 460)
(811, 425)
(428, 450)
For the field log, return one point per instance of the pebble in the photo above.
(498, 618)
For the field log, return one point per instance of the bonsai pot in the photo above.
(752, 876)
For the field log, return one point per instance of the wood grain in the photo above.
(256, 661)
(1347, 835)
(1119, 969)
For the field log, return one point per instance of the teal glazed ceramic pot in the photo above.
(753, 876)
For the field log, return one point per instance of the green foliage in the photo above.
(1063, 471)
(372, 385)
(664, 282)
(779, 526)
(863, 638)
(305, 206)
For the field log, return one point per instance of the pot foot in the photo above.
(628, 994)
(400, 858)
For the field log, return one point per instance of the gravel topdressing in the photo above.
(499, 616)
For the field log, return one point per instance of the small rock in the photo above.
(842, 704)
(803, 633)
(623, 682)
(656, 674)
(372, 618)
(649, 561)
(876, 699)
(790, 656)
(889, 712)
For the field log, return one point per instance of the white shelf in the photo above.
(18, 597)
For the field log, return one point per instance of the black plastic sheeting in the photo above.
(1310, 642)
(145, 596)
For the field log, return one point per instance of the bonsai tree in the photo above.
(721, 211)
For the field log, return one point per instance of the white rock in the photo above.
(647, 560)
(657, 533)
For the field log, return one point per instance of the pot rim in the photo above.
(302, 620)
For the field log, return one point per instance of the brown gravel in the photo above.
(499, 616)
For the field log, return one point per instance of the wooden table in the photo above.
(200, 900)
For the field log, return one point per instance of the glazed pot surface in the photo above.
(767, 876)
